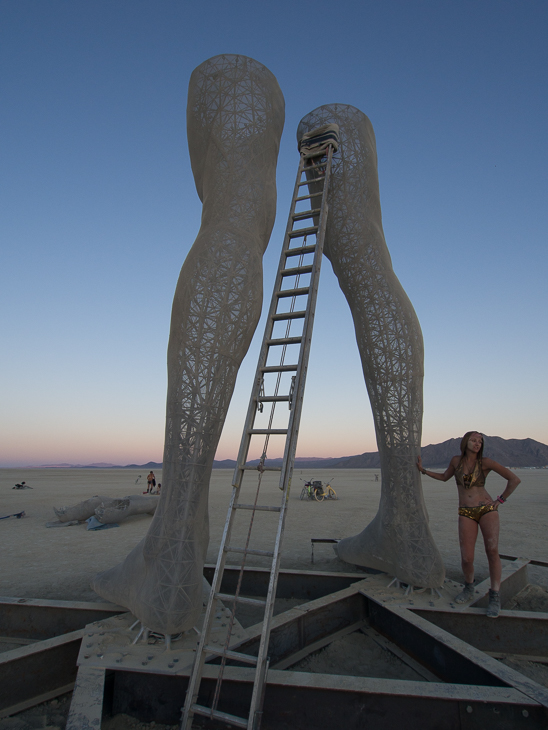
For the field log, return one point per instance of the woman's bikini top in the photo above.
(475, 479)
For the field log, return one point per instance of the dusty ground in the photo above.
(58, 563)
(38, 562)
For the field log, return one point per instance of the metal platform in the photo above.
(455, 651)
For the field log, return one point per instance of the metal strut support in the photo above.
(280, 378)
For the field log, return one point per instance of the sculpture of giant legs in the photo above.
(235, 117)
(398, 540)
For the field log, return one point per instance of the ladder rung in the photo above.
(249, 551)
(240, 599)
(320, 178)
(280, 369)
(288, 315)
(316, 164)
(300, 250)
(309, 197)
(303, 232)
(272, 398)
(231, 654)
(265, 468)
(285, 341)
(301, 291)
(257, 507)
(217, 715)
(266, 431)
(306, 214)
(297, 270)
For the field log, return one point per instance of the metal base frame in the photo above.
(454, 650)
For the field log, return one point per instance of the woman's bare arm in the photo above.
(447, 474)
(512, 479)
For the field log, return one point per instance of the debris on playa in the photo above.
(94, 524)
(16, 514)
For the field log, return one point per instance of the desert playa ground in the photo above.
(58, 563)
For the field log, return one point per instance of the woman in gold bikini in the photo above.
(477, 510)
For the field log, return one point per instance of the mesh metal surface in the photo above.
(235, 117)
(389, 338)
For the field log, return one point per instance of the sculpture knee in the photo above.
(234, 144)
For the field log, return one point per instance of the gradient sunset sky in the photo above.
(99, 210)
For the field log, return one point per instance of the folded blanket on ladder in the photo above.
(315, 142)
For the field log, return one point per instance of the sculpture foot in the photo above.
(166, 595)
(405, 550)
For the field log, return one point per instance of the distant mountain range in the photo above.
(99, 465)
(508, 452)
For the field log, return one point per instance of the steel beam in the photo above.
(303, 584)
(301, 626)
(513, 632)
(446, 655)
(38, 619)
(514, 579)
(29, 672)
(86, 707)
(317, 645)
(300, 701)
(41, 670)
(532, 561)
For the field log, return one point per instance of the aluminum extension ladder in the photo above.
(276, 382)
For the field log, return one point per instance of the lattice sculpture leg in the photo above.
(398, 540)
(235, 118)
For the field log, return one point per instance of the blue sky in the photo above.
(99, 210)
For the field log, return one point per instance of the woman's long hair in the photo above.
(464, 444)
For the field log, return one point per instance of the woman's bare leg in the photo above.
(468, 534)
(235, 118)
(389, 338)
(490, 524)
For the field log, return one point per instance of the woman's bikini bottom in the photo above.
(476, 513)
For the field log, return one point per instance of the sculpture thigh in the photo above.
(389, 339)
(235, 119)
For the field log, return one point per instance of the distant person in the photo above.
(376, 477)
(158, 488)
(151, 481)
(23, 485)
(477, 510)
